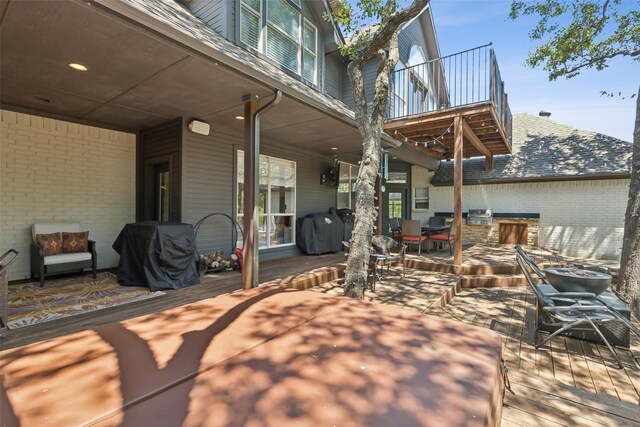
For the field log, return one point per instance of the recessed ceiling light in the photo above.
(239, 117)
(78, 67)
(394, 158)
(334, 148)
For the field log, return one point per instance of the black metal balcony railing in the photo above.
(462, 79)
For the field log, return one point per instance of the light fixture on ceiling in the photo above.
(78, 67)
(334, 148)
(239, 117)
(199, 127)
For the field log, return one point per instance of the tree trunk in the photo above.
(370, 122)
(365, 220)
(629, 285)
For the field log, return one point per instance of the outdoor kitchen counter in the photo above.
(268, 356)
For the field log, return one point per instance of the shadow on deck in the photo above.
(299, 272)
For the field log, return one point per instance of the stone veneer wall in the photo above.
(490, 235)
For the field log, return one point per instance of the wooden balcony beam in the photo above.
(473, 139)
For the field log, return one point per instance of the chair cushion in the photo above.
(442, 236)
(66, 258)
(55, 227)
(51, 243)
(75, 242)
(414, 238)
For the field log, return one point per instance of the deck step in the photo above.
(493, 281)
(310, 278)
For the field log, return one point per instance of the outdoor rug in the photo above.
(29, 304)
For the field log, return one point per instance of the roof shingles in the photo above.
(545, 150)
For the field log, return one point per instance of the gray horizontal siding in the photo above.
(212, 12)
(409, 36)
(209, 186)
(333, 76)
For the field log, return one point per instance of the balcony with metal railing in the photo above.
(425, 98)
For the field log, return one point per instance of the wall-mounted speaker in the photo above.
(201, 128)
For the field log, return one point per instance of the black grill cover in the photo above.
(158, 255)
(320, 233)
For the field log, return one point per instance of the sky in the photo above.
(464, 24)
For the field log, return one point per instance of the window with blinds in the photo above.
(282, 34)
(309, 53)
(250, 22)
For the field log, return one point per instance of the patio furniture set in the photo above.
(412, 232)
(577, 303)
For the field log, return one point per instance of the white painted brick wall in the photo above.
(51, 170)
(578, 218)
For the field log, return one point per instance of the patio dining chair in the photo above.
(571, 310)
(446, 236)
(396, 230)
(393, 251)
(412, 233)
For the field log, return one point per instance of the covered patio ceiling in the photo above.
(138, 78)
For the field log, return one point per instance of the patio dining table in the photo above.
(429, 231)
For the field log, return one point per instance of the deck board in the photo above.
(282, 272)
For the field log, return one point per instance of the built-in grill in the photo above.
(480, 217)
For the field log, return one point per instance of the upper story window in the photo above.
(310, 53)
(250, 22)
(277, 29)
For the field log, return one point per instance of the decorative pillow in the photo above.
(51, 243)
(75, 242)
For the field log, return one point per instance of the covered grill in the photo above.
(480, 217)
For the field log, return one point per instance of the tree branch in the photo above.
(386, 64)
(384, 33)
(593, 60)
(604, 13)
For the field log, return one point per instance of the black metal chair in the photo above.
(394, 252)
(569, 310)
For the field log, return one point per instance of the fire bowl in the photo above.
(573, 279)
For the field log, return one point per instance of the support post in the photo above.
(488, 163)
(251, 184)
(458, 134)
(379, 196)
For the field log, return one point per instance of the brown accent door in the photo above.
(512, 233)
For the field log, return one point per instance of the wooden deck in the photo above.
(568, 382)
(293, 271)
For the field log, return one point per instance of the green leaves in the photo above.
(580, 34)
(359, 20)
